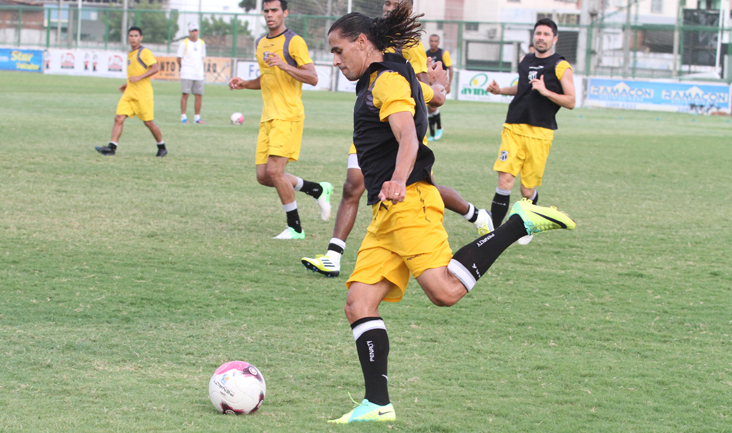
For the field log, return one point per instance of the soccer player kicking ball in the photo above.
(545, 85)
(329, 264)
(137, 99)
(284, 63)
(406, 235)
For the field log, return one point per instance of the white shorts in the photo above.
(191, 86)
(353, 161)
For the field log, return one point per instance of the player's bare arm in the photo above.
(237, 83)
(402, 125)
(495, 89)
(154, 69)
(123, 87)
(567, 100)
(303, 73)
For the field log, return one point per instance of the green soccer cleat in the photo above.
(324, 200)
(539, 219)
(290, 233)
(323, 264)
(367, 411)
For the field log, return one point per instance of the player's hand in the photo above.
(236, 83)
(494, 88)
(539, 85)
(437, 73)
(394, 191)
(275, 60)
(135, 79)
(123, 87)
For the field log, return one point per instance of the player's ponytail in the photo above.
(398, 29)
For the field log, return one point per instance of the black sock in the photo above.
(474, 259)
(293, 220)
(432, 125)
(499, 208)
(311, 188)
(112, 146)
(161, 146)
(536, 197)
(372, 344)
(335, 248)
(438, 120)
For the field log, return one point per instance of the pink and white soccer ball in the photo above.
(237, 119)
(237, 387)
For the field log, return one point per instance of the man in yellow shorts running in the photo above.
(137, 98)
(284, 64)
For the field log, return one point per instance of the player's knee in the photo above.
(119, 119)
(352, 191)
(444, 299)
(263, 178)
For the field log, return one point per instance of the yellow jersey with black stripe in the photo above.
(415, 55)
(138, 62)
(281, 93)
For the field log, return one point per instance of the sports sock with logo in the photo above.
(472, 214)
(337, 245)
(499, 207)
(372, 344)
(310, 188)
(474, 259)
(293, 218)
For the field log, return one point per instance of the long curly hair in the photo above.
(399, 29)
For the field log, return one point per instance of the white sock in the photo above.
(183, 117)
(299, 184)
(196, 117)
(471, 210)
(290, 206)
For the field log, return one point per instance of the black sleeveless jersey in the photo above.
(375, 143)
(436, 56)
(529, 106)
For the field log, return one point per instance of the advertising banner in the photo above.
(217, 69)
(98, 63)
(249, 70)
(21, 60)
(472, 85)
(648, 95)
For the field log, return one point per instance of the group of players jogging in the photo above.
(398, 93)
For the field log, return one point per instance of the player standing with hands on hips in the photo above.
(406, 235)
(191, 52)
(284, 64)
(546, 84)
(137, 98)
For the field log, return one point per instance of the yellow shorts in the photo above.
(524, 155)
(279, 138)
(403, 238)
(142, 108)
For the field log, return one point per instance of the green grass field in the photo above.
(125, 281)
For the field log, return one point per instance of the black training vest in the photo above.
(375, 143)
(436, 56)
(528, 106)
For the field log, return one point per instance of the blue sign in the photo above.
(685, 97)
(21, 60)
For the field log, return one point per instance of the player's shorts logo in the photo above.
(504, 155)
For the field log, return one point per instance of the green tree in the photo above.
(248, 5)
(152, 20)
(220, 27)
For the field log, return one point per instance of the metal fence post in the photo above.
(48, 29)
(106, 28)
(635, 52)
(234, 34)
(20, 23)
(500, 50)
(170, 27)
(729, 58)
(681, 53)
(461, 28)
(588, 55)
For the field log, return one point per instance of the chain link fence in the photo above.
(698, 50)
